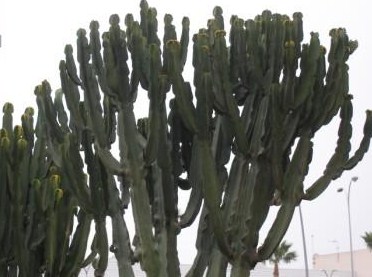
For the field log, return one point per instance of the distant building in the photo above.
(260, 271)
(341, 261)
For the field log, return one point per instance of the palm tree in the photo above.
(282, 254)
(368, 239)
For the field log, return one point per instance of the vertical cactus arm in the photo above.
(95, 46)
(70, 65)
(169, 30)
(204, 244)
(144, 20)
(161, 186)
(72, 96)
(8, 110)
(183, 95)
(156, 99)
(110, 121)
(102, 247)
(218, 263)
(61, 113)
(97, 60)
(35, 231)
(341, 154)
(65, 207)
(342, 163)
(168, 191)
(364, 144)
(241, 212)
(121, 246)
(78, 245)
(143, 55)
(46, 107)
(21, 169)
(91, 89)
(238, 53)
(131, 151)
(309, 62)
(257, 145)
(72, 168)
(276, 48)
(94, 170)
(224, 87)
(19, 203)
(258, 208)
(231, 207)
(319, 101)
(35, 210)
(120, 236)
(39, 165)
(138, 54)
(28, 126)
(276, 120)
(276, 232)
(204, 113)
(297, 170)
(185, 38)
(51, 241)
(337, 78)
(289, 74)
(291, 195)
(212, 197)
(196, 196)
(92, 255)
(204, 95)
(152, 35)
(4, 198)
(162, 232)
(218, 17)
(115, 58)
(249, 113)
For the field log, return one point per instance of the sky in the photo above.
(34, 33)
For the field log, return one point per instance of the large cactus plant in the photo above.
(38, 214)
(257, 99)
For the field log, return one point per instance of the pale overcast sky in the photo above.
(34, 34)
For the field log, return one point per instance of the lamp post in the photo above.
(337, 248)
(304, 241)
(353, 179)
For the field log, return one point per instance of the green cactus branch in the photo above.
(256, 97)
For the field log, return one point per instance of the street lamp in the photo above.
(330, 274)
(353, 179)
(304, 241)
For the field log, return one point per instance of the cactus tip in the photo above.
(297, 15)
(185, 22)
(128, 19)
(8, 108)
(217, 11)
(168, 18)
(114, 20)
(81, 32)
(68, 49)
(94, 25)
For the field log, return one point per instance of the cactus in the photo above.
(38, 213)
(249, 102)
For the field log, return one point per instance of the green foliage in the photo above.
(368, 239)
(37, 212)
(283, 253)
(254, 100)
